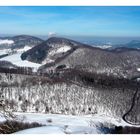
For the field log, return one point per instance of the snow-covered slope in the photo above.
(6, 41)
(2, 118)
(44, 95)
(4, 51)
(16, 59)
(24, 49)
(42, 130)
(18, 50)
(64, 124)
(62, 49)
(56, 52)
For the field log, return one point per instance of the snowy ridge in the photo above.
(64, 124)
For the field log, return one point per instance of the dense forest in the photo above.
(71, 92)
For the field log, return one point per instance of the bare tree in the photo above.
(4, 108)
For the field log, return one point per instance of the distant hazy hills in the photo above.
(19, 41)
(134, 44)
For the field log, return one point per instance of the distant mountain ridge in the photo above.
(134, 44)
(47, 49)
(19, 41)
(121, 62)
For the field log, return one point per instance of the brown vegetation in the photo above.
(9, 127)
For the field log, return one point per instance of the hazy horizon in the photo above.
(85, 39)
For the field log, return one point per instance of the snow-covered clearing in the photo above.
(6, 41)
(66, 124)
(104, 46)
(24, 49)
(62, 49)
(55, 50)
(5, 51)
(138, 69)
(56, 123)
(16, 59)
(43, 130)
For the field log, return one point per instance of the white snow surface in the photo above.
(104, 46)
(43, 130)
(5, 51)
(67, 124)
(61, 124)
(63, 49)
(54, 51)
(6, 41)
(16, 60)
(138, 69)
(2, 119)
(59, 50)
(26, 48)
